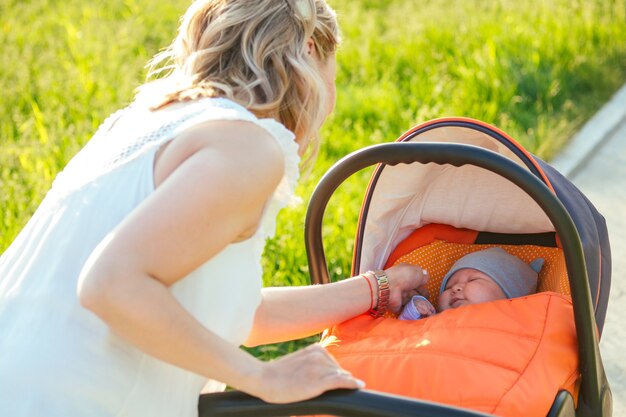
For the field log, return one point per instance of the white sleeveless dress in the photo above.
(58, 359)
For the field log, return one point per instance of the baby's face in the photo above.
(469, 286)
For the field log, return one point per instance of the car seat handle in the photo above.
(594, 381)
(346, 403)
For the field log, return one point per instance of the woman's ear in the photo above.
(310, 47)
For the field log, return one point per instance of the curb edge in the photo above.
(592, 135)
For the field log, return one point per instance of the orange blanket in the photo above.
(508, 357)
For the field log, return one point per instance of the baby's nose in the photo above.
(456, 288)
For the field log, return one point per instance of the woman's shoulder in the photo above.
(238, 140)
(254, 145)
(204, 114)
(229, 109)
(259, 154)
(187, 113)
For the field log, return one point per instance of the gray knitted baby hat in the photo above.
(514, 276)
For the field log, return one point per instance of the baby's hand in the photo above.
(424, 307)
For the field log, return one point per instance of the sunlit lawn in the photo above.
(535, 69)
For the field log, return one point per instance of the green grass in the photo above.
(535, 69)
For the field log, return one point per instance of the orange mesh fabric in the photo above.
(439, 256)
(428, 234)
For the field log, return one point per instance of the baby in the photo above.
(487, 275)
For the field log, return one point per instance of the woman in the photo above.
(139, 275)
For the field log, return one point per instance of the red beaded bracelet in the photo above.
(369, 284)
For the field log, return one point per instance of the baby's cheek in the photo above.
(443, 301)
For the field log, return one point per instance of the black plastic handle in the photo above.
(346, 403)
(593, 376)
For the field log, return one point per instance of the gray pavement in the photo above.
(595, 161)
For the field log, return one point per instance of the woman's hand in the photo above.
(299, 376)
(405, 281)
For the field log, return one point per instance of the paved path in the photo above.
(603, 180)
(600, 172)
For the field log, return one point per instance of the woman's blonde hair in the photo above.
(254, 53)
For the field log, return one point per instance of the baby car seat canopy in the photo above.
(405, 197)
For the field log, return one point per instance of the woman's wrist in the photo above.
(249, 375)
(372, 282)
(382, 293)
(370, 287)
(379, 292)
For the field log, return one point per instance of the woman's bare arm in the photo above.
(288, 313)
(207, 202)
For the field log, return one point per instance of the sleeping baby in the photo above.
(487, 275)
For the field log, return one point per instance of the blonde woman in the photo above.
(138, 277)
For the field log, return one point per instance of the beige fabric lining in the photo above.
(406, 197)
